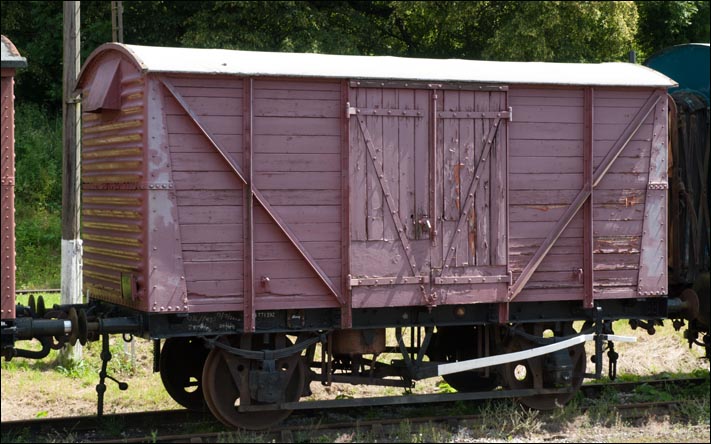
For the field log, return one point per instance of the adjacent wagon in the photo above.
(10, 62)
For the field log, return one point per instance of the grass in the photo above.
(38, 196)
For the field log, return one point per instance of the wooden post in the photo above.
(117, 22)
(71, 243)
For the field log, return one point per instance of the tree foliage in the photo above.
(667, 23)
(563, 31)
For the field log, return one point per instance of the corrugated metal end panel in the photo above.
(113, 184)
(7, 201)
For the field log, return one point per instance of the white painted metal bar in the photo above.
(472, 364)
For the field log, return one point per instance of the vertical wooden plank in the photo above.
(248, 206)
(406, 160)
(482, 192)
(450, 159)
(588, 162)
(374, 226)
(450, 171)
(504, 243)
(436, 215)
(358, 169)
(390, 162)
(498, 187)
(466, 248)
(422, 162)
(347, 307)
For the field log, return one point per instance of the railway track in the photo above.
(176, 425)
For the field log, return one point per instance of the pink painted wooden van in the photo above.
(218, 180)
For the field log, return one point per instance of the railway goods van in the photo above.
(267, 217)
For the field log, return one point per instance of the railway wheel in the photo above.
(181, 363)
(227, 377)
(563, 369)
(454, 344)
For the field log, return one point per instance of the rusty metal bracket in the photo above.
(658, 186)
(430, 298)
(474, 114)
(386, 112)
(380, 281)
(450, 280)
(129, 186)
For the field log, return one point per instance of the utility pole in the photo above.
(71, 176)
(117, 22)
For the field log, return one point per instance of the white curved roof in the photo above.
(223, 61)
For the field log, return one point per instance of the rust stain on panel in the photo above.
(457, 185)
(544, 207)
(471, 222)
